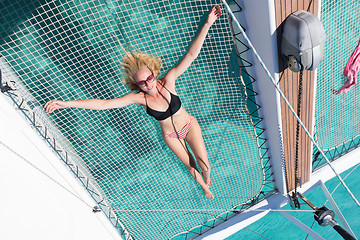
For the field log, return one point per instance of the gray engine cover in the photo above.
(303, 37)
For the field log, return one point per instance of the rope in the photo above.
(257, 138)
(333, 193)
(44, 173)
(307, 235)
(210, 210)
(287, 102)
(91, 189)
(344, 178)
(256, 233)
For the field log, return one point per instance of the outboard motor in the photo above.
(302, 43)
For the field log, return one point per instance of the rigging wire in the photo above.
(307, 235)
(288, 104)
(256, 233)
(334, 192)
(344, 179)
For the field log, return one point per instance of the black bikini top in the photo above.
(174, 106)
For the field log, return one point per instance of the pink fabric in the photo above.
(183, 132)
(350, 71)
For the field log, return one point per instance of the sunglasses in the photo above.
(149, 79)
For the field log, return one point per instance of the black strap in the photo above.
(145, 100)
(163, 85)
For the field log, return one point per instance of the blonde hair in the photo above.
(133, 62)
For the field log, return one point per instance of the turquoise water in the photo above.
(336, 116)
(337, 121)
(73, 50)
(275, 226)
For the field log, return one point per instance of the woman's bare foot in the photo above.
(206, 176)
(208, 193)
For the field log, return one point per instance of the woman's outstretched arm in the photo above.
(194, 48)
(95, 104)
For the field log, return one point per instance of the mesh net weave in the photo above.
(336, 116)
(72, 50)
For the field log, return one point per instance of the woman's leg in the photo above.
(196, 142)
(179, 148)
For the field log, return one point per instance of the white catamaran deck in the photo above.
(35, 185)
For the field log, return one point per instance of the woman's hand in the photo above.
(214, 14)
(52, 105)
(194, 48)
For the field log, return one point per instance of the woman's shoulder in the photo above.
(169, 85)
(137, 97)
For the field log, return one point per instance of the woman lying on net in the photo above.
(159, 98)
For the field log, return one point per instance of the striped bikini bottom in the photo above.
(183, 132)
